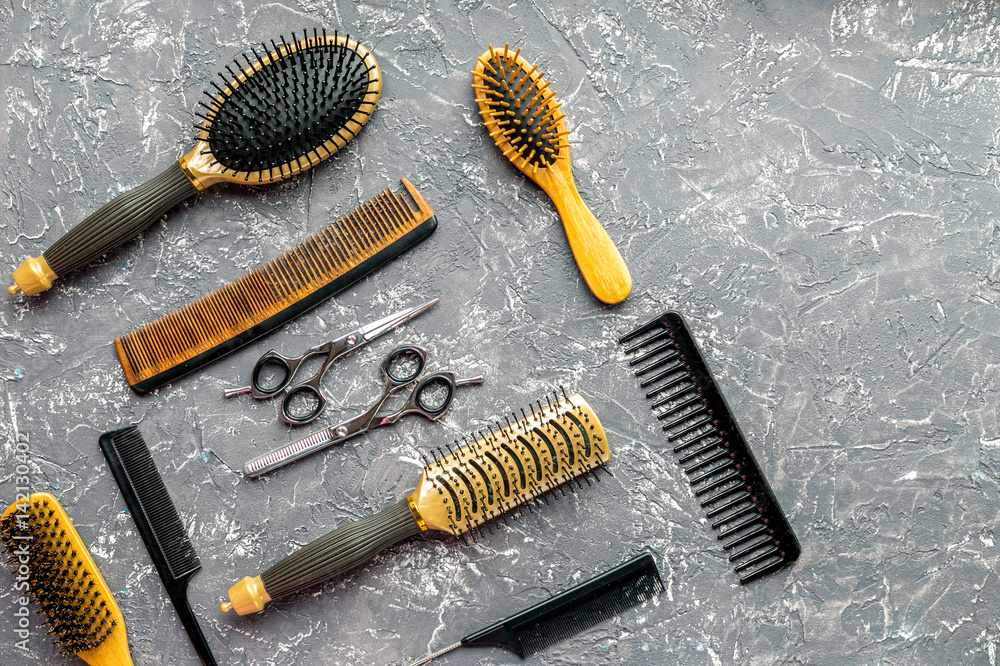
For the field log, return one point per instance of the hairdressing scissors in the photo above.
(430, 397)
(304, 401)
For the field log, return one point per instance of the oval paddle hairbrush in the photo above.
(278, 114)
(523, 118)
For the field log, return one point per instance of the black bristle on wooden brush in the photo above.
(570, 612)
(51, 563)
(159, 524)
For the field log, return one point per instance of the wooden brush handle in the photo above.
(119, 220)
(600, 263)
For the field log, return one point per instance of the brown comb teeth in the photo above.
(273, 293)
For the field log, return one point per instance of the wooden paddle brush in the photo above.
(277, 115)
(457, 493)
(48, 554)
(523, 118)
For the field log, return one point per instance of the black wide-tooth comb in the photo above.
(570, 612)
(159, 524)
(710, 447)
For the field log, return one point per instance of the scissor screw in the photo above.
(341, 431)
(352, 340)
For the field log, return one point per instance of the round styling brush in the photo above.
(523, 118)
(278, 113)
(533, 458)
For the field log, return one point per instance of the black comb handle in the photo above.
(159, 525)
(570, 612)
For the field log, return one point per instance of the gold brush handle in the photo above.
(600, 263)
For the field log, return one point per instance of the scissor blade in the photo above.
(386, 324)
(317, 441)
(283, 455)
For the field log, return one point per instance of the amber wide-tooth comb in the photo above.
(269, 296)
(530, 458)
(42, 544)
(523, 118)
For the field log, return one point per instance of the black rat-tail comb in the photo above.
(530, 459)
(710, 447)
(158, 523)
(276, 114)
(582, 606)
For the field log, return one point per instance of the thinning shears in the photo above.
(430, 397)
(304, 401)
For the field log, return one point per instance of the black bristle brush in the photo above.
(567, 613)
(158, 523)
(279, 112)
(52, 564)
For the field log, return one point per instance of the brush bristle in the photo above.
(552, 445)
(519, 109)
(297, 101)
(60, 574)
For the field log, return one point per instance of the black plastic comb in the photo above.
(567, 613)
(710, 447)
(159, 524)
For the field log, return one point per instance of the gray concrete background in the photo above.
(813, 185)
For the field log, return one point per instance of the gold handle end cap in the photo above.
(247, 596)
(32, 277)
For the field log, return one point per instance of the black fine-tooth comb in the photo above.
(712, 451)
(577, 609)
(159, 524)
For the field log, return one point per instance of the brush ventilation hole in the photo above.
(532, 458)
(521, 111)
(63, 585)
(298, 96)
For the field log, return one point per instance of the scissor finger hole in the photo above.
(434, 395)
(404, 365)
(270, 375)
(302, 405)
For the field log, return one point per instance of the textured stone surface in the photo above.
(814, 186)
